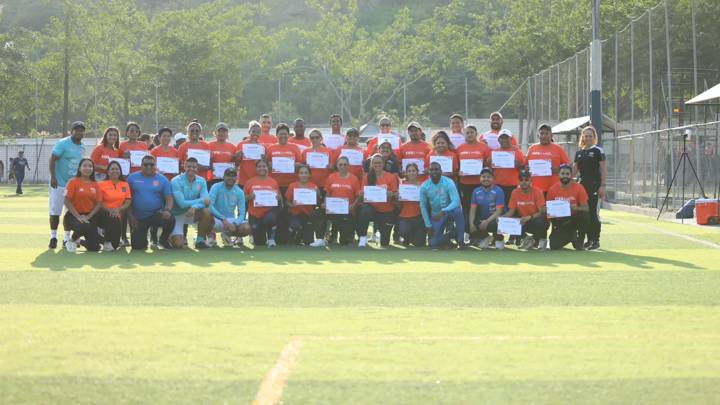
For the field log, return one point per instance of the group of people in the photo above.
(456, 189)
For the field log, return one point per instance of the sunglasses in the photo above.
(315, 137)
(148, 164)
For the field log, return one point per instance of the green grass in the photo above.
(638, 322)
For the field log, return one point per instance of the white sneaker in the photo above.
(210, 242)
(499, 245)
(318, 243)
(70, 246)
(527, 243)
(271, 243)
(542, 245)
(108, 247)
(467, 238)
(124, 243)
(239, 242)
(363, 242)
(227, 240)
(485, 242)
(375, 238)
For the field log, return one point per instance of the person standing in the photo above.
(194, 142)
(221, 152)
(246, 164)
(440, 208)
(491, 137)
(132, 132)
(19, 165)
(474, 150)
(415, 150)
(590, 163)
(108, 148)
(548, 151)
(299, 139)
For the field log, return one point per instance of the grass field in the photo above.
(638, 322)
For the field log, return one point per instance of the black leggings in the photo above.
(87, 230)
(111, 227)
(567, 230)
(593, 230)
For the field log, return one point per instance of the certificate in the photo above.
(509, 226)
(409, 192)
(539, 167)
(219, 169)
(375, 194)
(457, 139)
(305, 196)
(419, 162)
(252, 151)
(168, 165)
(393, 139)
(471, 167)
(265, 198)
(202, 156)
(334, 205)
(503, 160)
(334, 141)
(136, 157)
(558, 208)
(445, 163)
(317, 160)
(283, 164)
(124, 165)
(492, 141)
(354, 156)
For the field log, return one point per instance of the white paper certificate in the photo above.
(471, 167)
(253, 151)
(540, 167)
(509, 226)
(219, 169)
(492, 141)
(283, 164)
(318, 160)
(339, 206)
(168, 165)
(409, 192)
(419, 162)
(202, 156)
(355, 157)
(334, 141)
(265, 198)
(124, 165)
(305, 196)
(136, 157)
(375, 194)
(457, 139)
(558, 208)
(445, 163)
(503, 160)
(393, 139)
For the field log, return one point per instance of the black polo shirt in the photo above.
(588, 162)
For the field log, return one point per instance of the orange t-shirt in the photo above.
(183, 155)
(102, 155)
(83, 195)
(126, 147)
(302, 144)
(478, 150)
(410, 209)
(448, 153)
(339, 187)
(114, 195)
(317, 175)
(220, 153)
(257, 184)
(552, 152)
(356, 170)
(388, 181)
(507, 177)
(288, 151)
(290, 195)
(267, 140)
(526, 203)
(246, 166)
(575, 194)
(410, 150)
(171, 152)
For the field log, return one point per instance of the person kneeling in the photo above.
(567, 229)
(226, 198)
(440, 207)
(82, 200)
(486, 206)
(528, 204)
(191, 201)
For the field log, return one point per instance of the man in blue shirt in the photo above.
(226, 198)
(440, 208)
(191, 206)
(486, 205)
(152, 200)
(63, 166)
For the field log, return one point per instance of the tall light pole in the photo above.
(596, 71)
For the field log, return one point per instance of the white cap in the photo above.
(180, 137)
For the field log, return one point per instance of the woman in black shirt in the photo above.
(590, 163)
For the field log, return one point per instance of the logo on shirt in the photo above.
(156, 183)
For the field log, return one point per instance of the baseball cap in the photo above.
(180, 137)
(496, 113)
(77, 124)
(222, 125)
(414, 124)
(505, 132)
(545, 125)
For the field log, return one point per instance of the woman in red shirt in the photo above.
(351, 147)
(221, 154)
(132, 132)
(343, 185)
(410, 222)
(108, 148)
(82, 200)
(116, 199)
(319, 174)
(442, 147)
(194, 142)
(263, 215)
(381, 213)
(247, 164)
(303, 222)
(165, 150)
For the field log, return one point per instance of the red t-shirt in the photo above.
(302, 144)
(339, 187)
(410, 150)
(388, 181)
(553, 152)
(220, 153)
(575, 194)
(478, 150)
(267, 140)
(410, 209)
(126, 147)
(288, 151)
(102, 155)
(257, 184)
(526, 203)
(171, 152)
(290, 195)
(508, 177)
(373, 142)
(356, 170)
(448, 153)
(246, 166)
(319, 176)
(183, 155)
(83, 195)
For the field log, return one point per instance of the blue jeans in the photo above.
(440, 228)
(413, 230)
(264, 228)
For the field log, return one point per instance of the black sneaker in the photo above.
(53, 243)
(577, 244)
(587, 244)
(594, 245)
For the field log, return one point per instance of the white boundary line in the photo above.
(665, 232)
(272, 386)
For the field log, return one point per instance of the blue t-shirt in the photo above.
(487, 201)
(225, 202)
(148, 193)
(188, 195)
(68, 155)
(434, 198)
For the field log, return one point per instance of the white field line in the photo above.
(489, 338)
(272, 386)
(665, 232)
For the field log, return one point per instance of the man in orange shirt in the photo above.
(299, 139)
(565, 230)
(548, 151)
(528, 204)
(415, 151)
(491, 137)
(265, 126)
(221, 154)
(284, 160)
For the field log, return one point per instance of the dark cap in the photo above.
(486, 170)
(222, 125)
(230, 171)
(565, 166)
(77, 124)
(352, 131)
